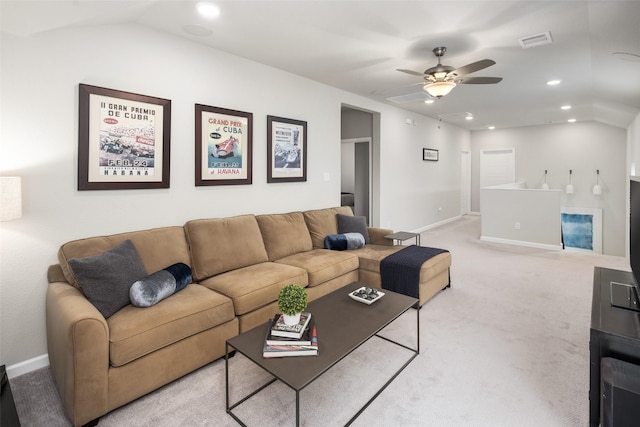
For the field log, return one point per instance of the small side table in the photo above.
(401, 236)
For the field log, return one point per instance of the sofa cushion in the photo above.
(322, 265)
(257, 285)
(134, 332)
(105, 278)
(284, 234)
(162, 284)
(353, 224)
(371, 255)
(219, 245)
(157, 247)
(322, 222)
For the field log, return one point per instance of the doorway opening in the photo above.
(360, 162)
(355, 186)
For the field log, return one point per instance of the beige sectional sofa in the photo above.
(238, 266)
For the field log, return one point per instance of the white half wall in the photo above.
(528, 217)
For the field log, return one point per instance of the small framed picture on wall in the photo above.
(224, 147)
(430, 154)
(286, 150)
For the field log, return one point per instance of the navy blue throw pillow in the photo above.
(160, 285)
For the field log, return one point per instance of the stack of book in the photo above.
(291, 340)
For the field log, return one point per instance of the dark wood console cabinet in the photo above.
(615, 332)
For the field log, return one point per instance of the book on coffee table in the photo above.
(305, 338)
(281, 329)
(279, 350)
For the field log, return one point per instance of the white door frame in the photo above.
(465, 182)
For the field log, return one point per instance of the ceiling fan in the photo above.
(441, 79)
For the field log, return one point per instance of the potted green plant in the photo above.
(292, 300)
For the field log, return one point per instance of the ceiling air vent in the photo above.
(411, 97)
(536, 40)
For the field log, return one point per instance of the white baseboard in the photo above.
(522, 243)
(474, 213)
(27, 366)
(437, 224)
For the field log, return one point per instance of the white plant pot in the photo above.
(291, 320)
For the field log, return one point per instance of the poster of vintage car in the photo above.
(223, 146)
(123, 140)
(286, 150)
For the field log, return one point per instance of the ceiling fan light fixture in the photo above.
(439, 89)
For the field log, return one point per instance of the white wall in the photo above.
(420, 187)
(38, 141)
(582, 147)
(518, 215)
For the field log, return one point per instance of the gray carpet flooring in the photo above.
(506, 345)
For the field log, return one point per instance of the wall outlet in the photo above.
(517, 226)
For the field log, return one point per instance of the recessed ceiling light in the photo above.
(208, 10)
(469, 118)
(429, 101)
(571, 120)
(553, 82)
(491, 127)
(566, 107)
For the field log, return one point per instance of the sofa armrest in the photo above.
(78, 346)
(376, 235)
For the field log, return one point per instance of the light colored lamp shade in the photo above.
(10, 198)
(545, 186)
(597, 189)
(569, 189)
(439, 89)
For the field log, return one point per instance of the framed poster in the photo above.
(429, 154)
(286, 150)
(123, 140)
(223, 146)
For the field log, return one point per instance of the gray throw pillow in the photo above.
(353, 224)
(105, 278)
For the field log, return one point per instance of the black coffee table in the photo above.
(343, 325)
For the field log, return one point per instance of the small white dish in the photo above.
(364, 300)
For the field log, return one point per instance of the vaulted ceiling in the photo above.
(357, 46)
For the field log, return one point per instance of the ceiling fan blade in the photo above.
(473, 67)
(479, 80)
(413, 73)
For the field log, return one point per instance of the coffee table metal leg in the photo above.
(229, 406)
(416, 353)
(297, 408)
(226, 374)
